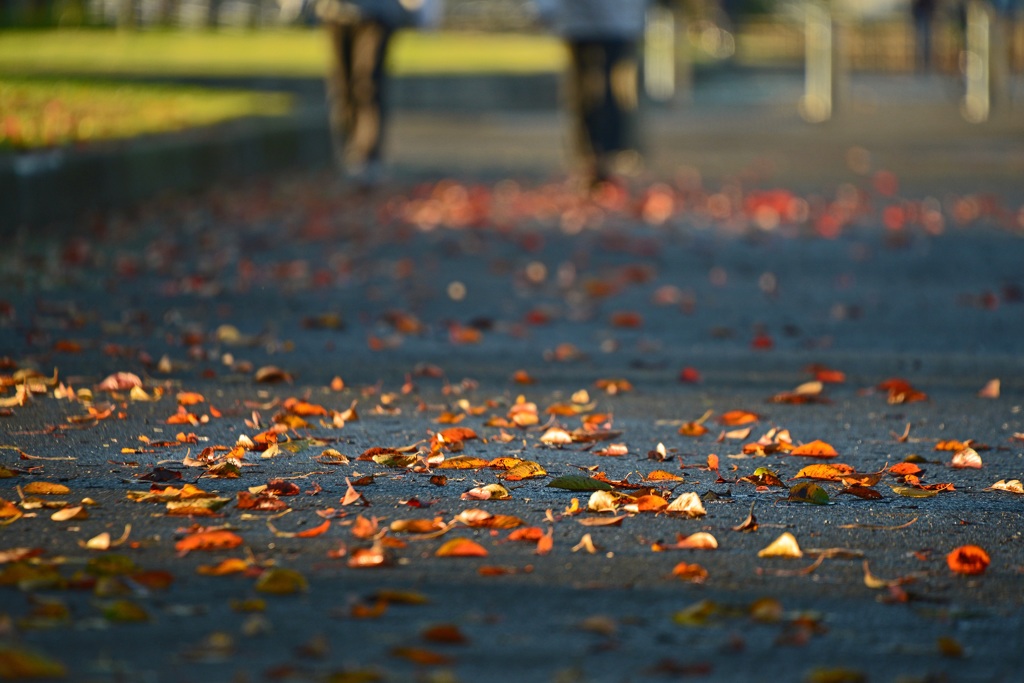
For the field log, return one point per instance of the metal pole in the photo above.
(817, 102)
(660, 54)
(977, 65)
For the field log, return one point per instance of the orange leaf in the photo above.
(690, 572)
(824, 472)
(456, 434)
(545, 543)
(190, 398)
(365, 528)
(626, 319)
(231, 565)
(304, 408)
(315, 531)
(951, 445)
(651, 503)
(693, 429)
(528, 533)
(815, 449)
(903, 469)
(218, 539)
(662, 475)
(734, 418)
(968, 559)
(444, 633)
(419, 655)
(461, 547)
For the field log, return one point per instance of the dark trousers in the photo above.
(355, 90)
(603, 98)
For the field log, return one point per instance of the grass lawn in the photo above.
(42, 112)
(294, 52)
(52, 90)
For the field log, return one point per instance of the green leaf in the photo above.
(578, 482)
(808, 492)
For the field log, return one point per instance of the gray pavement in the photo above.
(889, 246)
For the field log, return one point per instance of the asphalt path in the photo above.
(456, 304)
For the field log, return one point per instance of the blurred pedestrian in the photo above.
(359, 33)
(603, 39)
(923, 14)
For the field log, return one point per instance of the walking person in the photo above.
(603, 38)
(923, 14)
(359, 34)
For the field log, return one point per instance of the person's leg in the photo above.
(369, 48)
(604, 102)
(339, 100)
(621, 103)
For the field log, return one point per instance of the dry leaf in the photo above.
(687, 505)
(784, 546)
(1011, 486)
(967, 458)
(990, 390)
(461, 547)
(694, 573)
(815, 449)
(968, 559)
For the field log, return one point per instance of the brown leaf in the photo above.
(271, 374)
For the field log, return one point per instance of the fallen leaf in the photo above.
(815, 449)
(694, 573)
(526, 469)
(749, 524)
(967, 458)
(586, 543)
(281, 581)
(450, 634)
(808, 492)
(784, 546)
(701, 540)
(578, 482)
(45, 488)
(687, 505)
(1011, 486)
(461, 547)
(17, 663)
(990, 390)
(902, 469)
(735, 418)
(217, 539)
(119, 381)
(968, 559)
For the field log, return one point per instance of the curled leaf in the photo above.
(968, 559)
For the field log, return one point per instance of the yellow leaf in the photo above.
(783, 546)
(45, 488)
(527, 469)
(688, 505)
(279, 581)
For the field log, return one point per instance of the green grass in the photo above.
(40, 112)
(295, 52)
(52, 90)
